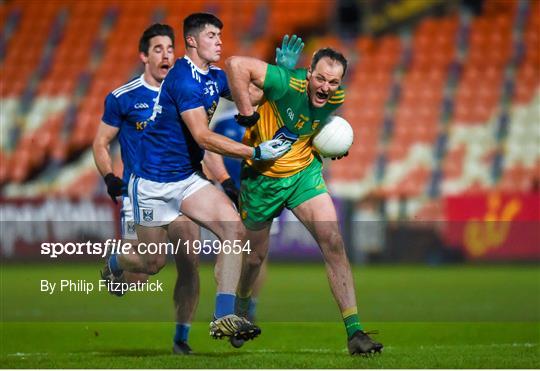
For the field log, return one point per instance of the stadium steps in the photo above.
(385, 115)
(508, 90)
(67, 79)
(71, 57)
(31, 111)
(480, 109)
(365, 110)
(416, 121)
(470, 149)
(25, 47)
(521, 165)
(67, 181)
(114, 69)
(10, 17)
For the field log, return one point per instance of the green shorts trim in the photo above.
(262, 198)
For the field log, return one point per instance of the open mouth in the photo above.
(321, 96)
(164, 67)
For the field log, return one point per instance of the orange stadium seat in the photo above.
(4, 167)
(25, 48)
(453, 163)
(254, 28)
(364, 44)
(349, 169)
(525, 90)
(83, 186)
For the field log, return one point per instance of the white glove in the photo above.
(271, 149)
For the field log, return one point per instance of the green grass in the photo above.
(445, 317)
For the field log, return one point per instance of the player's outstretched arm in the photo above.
(102, 158)
(196, 120)
(241, 71)
(197, 123)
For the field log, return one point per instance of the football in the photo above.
(335, 138)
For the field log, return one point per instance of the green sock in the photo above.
(352, 321)
(242, 305)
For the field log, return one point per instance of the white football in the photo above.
(335, 138)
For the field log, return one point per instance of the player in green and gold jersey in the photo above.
(294, 105)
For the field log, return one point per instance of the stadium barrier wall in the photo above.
(494, 226)
(483, 227)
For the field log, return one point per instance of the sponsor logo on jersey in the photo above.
(284, 134)
(141, 106)
(140, 125)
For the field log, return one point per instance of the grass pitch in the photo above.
(446, 317)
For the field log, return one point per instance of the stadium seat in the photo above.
(395, 107)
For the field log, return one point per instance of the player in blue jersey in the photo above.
(167, 177)
(127, 110)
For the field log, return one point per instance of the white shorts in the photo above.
(127, 222)
(156, 204)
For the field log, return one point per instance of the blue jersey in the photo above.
(228, 127)
(128, 108)
(167, 150)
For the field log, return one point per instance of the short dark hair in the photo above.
(329, 53)
(157, 29)
(194, 23)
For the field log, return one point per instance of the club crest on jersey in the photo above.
(131, 227)
(290, 113)
(211, 88)
(148, 215)
(141, 106)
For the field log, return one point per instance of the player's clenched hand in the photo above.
(247, 121)
(230, 190)
(271, 149)
(115, 186)
(289, 53)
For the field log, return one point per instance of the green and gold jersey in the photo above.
(287, 104)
